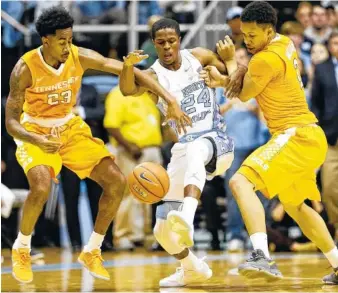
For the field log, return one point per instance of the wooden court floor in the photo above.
(140, 271)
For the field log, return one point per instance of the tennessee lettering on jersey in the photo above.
(57, 86)
(54, 91)
(283, 101)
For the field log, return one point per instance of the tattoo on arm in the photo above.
(20, 80)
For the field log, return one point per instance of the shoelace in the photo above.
(180, 269)
(96, 256)
(25, 259)
(255, 256)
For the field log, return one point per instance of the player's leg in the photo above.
(39, 179)
(88, 157)
(113, 183)
(192, 269)
(314, 228)
(259, 264)
(259, 172)
(198, 154)
(252, 210)
(33, 160)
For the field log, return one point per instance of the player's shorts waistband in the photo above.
(43, 122)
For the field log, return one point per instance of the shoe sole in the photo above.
(21, 281)
(93, 274)
(330, 283)
(256, 273)
(181, 228)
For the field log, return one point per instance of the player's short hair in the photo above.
(52, 19)
(260, 12)
(163, 24)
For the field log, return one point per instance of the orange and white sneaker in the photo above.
(21, 262)
(92, 261)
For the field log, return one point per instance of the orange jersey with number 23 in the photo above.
(53, 92)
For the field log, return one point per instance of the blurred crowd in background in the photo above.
(131, 128)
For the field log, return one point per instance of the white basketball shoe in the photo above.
(184, 277)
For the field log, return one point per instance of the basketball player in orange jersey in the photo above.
(285, 166)
(44, 85)
(203, 152)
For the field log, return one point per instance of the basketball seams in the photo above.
(136, 177)
(159, 181)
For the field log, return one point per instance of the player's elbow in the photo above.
(128, 90)
(10, 127)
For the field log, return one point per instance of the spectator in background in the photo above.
(333, 15)
(148, 46)
(294, 30)
(303, 14)
(146, 9)
(318, 32)
(181, 11)
(100, 12)
(134, 126)
(245, 127)
(91, 109)
(324, 97)
(319, 54)
(233, 20)
(42, 5)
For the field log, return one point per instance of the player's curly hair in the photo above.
(52, 19)
(165, 23)
(260, 12)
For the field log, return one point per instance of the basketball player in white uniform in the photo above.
(201, 153)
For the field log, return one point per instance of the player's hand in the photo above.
(134, 150)
(226, 49)
(234, 87)
(212, 77)
(48, 143)
(317, 206)
(278, 213)
(134, 57)
(176, 114)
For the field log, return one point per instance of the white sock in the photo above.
(259, 240)
(332, 257)
(95, 242)
(189, 208)
(22, 241)
(190, 262)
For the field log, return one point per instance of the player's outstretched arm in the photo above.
(20, 80)
(92, 60)
(128, 81)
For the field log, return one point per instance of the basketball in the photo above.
(149, 182)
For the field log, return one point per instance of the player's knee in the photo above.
(236, 183)
(113, 178)
(40, 192)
